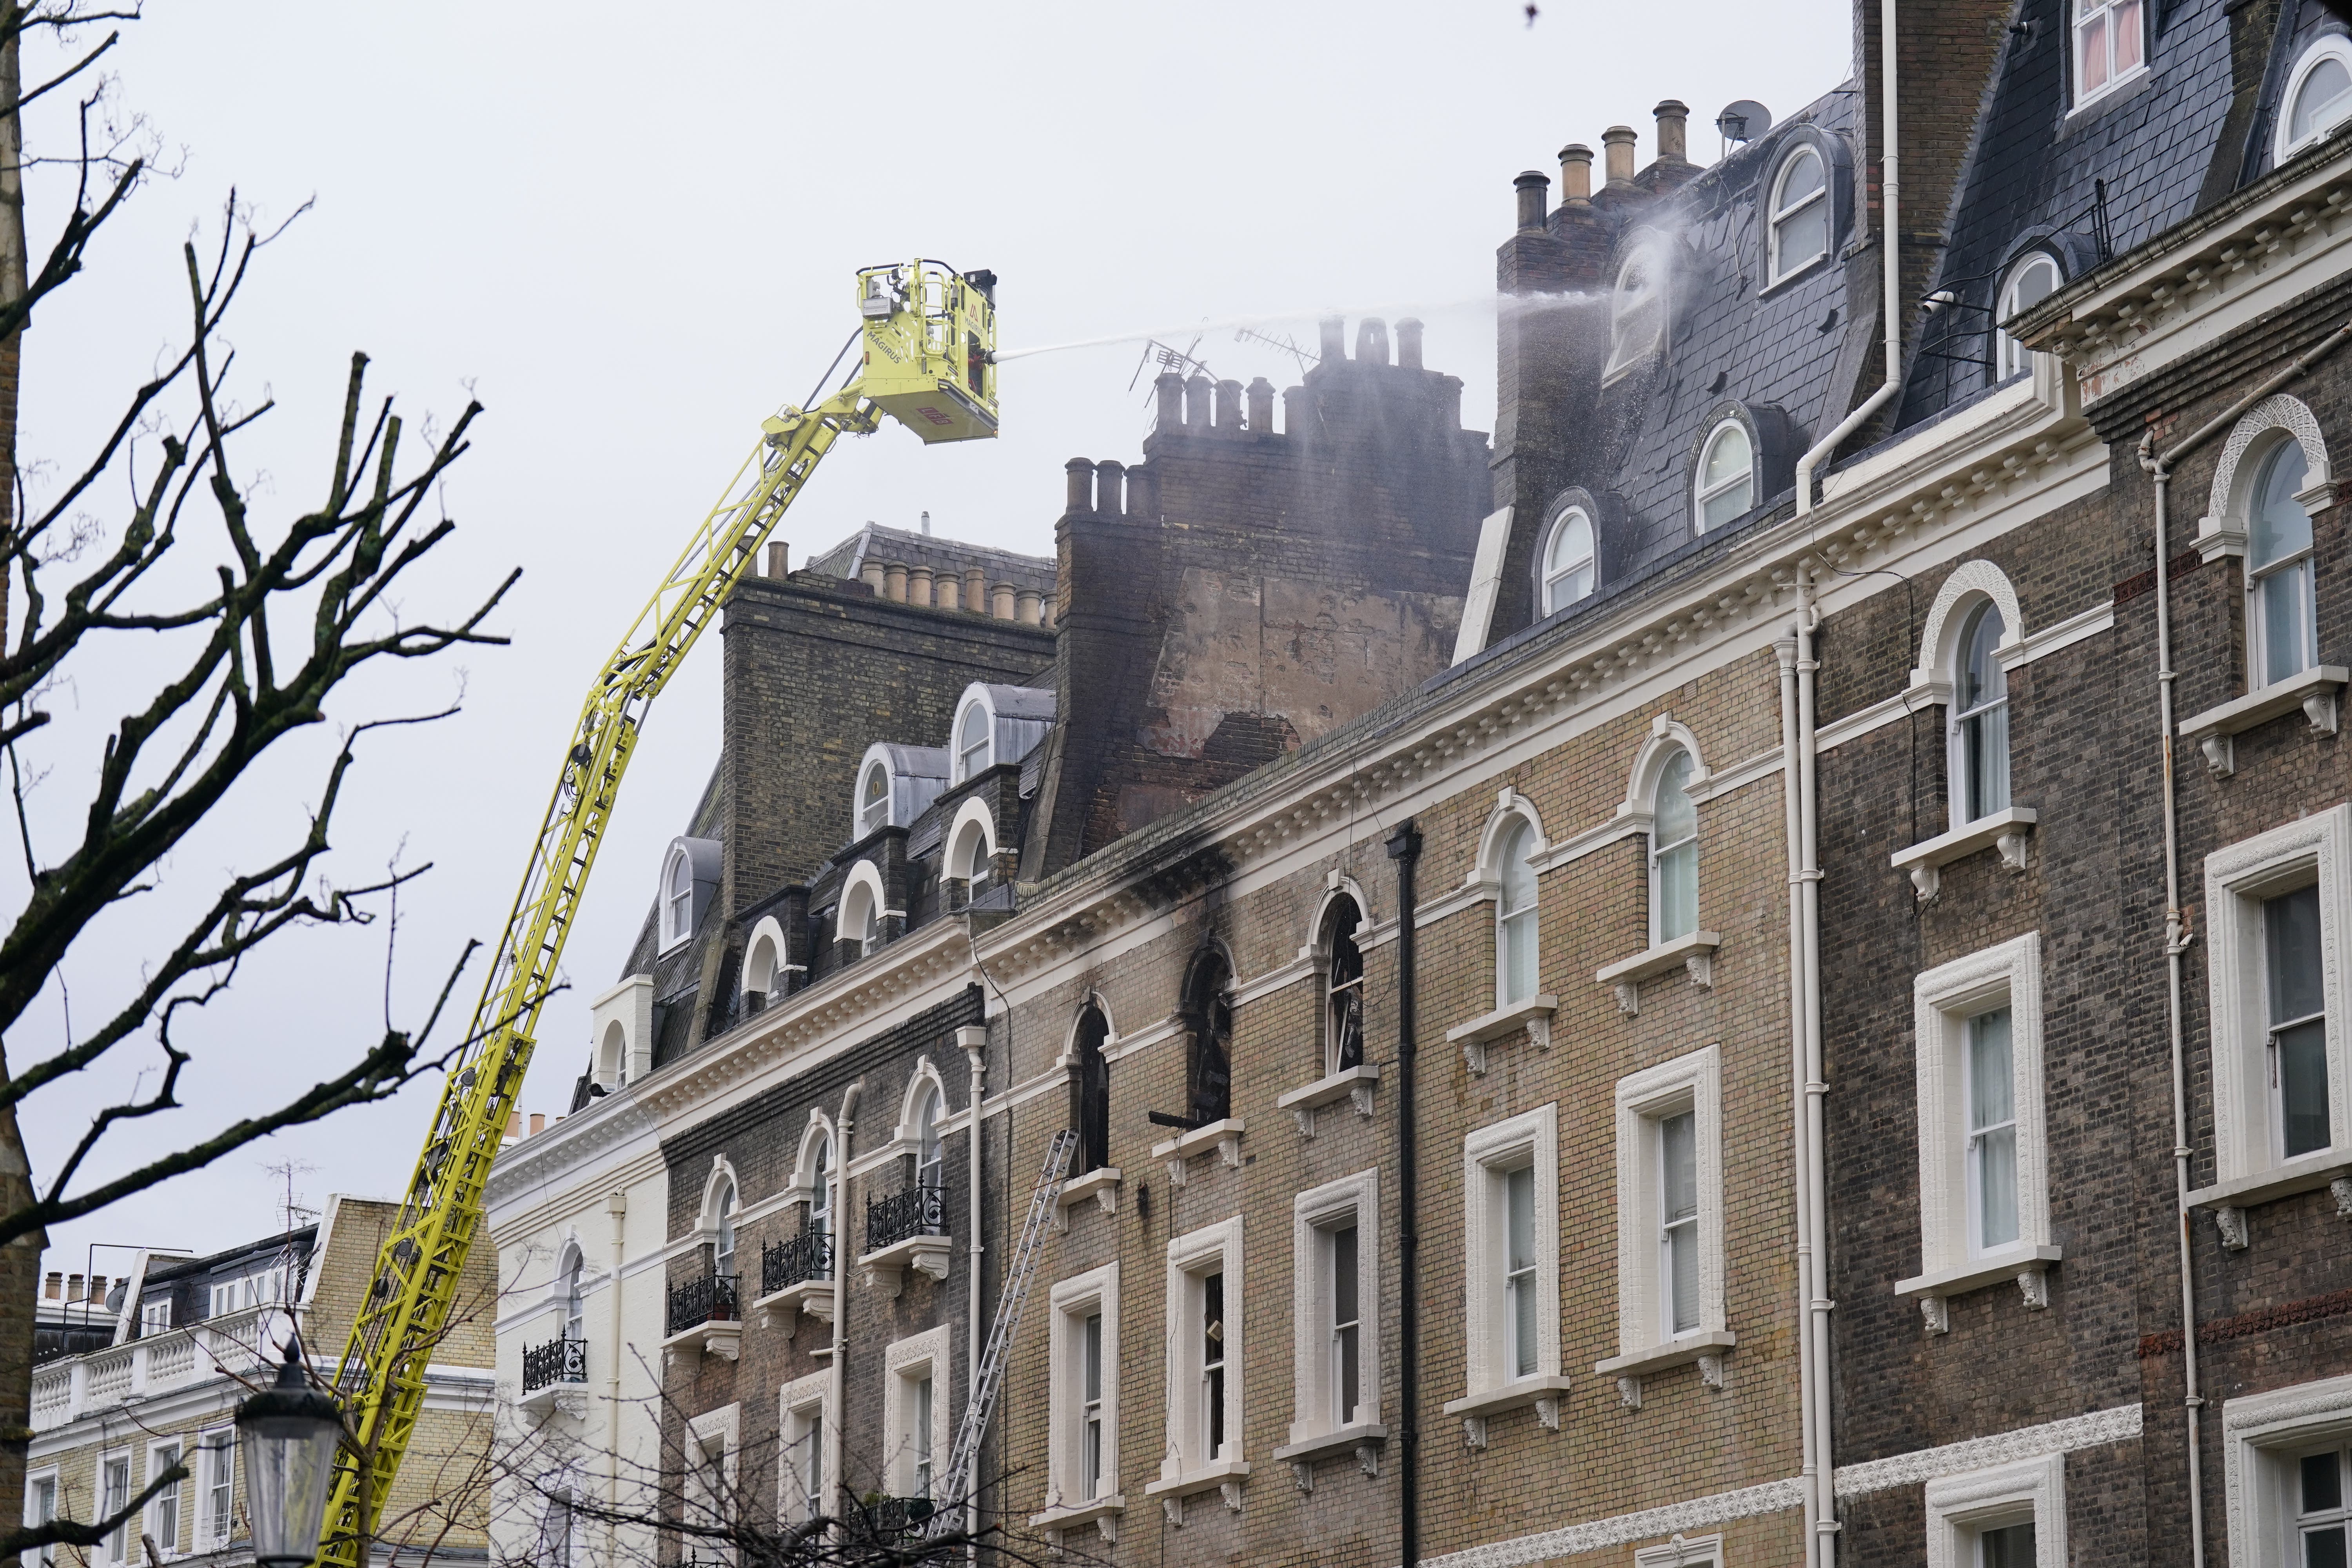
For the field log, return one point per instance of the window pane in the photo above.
(1678, 893)
(1519, 1202)
(2092, 56)
(2283, 606)
(1679, 1151)
(1523, 1327)
(1518, 878)
(1990, 1098)
(1090, 1357)
(1801, 236)
(2280, 527)
(2290, 934)
(1572, 541)
(2324, 1548)
(1727, 456)
(1984, 739)
(1980, 675)
(1682, 1256)
(1343, 1275)
(1518, 957)
(1676, 817)
(2319, 102)
(1801, 176)
(2323, 1482)
(2303, 1088)
(2126, 35)
(2011, 1546)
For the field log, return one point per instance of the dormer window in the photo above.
(874, 799)
(677, 898)
(1568, 562)
(1637, 311)
(1799, 215)
(975, 742)
(1727, 476)
(2110, 46)
(2318, 96)
(2031, 281)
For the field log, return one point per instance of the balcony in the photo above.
(240, 1343)
(704, 1318)
(890, 1518)
(553, 1375)
(906, 1230)
(796, 1276)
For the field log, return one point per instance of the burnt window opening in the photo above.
(1208, 1023)
(1093, 1091)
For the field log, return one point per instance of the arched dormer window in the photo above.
(2318, 96)
(1637, 308)
(2280, 609)
(1725, 483)
(1673, 852)
(1514, 915)
(1209, 1021)
(568, 1291)
(764, 968)
(874, 798)
(859, 918)
(612, 1056)
(1092, 1088)
(972, 845)
(1568, 569)
(1979, 739)
(1343, 988)
(975, 742)
(1800, 221)
(2032, 279)
(677, 898)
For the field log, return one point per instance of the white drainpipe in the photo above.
(840, 1288)
(1814, 1175)
(975, 1042)
(616, 1203)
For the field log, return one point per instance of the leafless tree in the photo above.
(249, 624)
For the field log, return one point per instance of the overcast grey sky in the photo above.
(632, 237)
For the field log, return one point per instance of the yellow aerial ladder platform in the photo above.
(928, 362)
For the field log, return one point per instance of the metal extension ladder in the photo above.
(988, 1379)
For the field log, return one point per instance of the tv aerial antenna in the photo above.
(1285, 343)
(1180, 360)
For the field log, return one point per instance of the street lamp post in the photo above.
(290, 1432)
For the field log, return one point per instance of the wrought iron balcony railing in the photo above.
(887, 1517)
(917, 1211)
(708, 1299)
(808, 1256)
(557, 1361)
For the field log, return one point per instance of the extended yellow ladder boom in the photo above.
(929, 341)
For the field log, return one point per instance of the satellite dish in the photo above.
(1743, 121)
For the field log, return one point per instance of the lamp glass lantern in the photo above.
(289, 1433)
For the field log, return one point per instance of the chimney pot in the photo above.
(780, 560)
(1141, 501)
(1408, 343)
(918, 585)
(949, 591)
(1673, 124)
(1081, 494)
(1169, 386)
(1110, 481)
(73, 1288)
(871, 575)
(514, 1124)
(54, 1287)
(1575, 174)
(1372, 341)
(1531, 186)
(975, 590)
(1199, 394)
(894, 582)
(1260, 407)
(1000, 601)
(1229, 407)
(1028, 607)
(1334, 332)
(537, 1122)
(1617, 154)
(1294, 410)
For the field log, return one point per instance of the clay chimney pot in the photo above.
(1260, 407)
(1110, 481)
(1000, 601)
(1617, 154)
(1229, 407)
(1408, 343)
(1673, 121)
(1532, 187)
(537, 1122)
(1081, 492)
(1575, 174)
(894, 582)
(1199, 394)
(1169, 388)
(918, 585)
(780, 560)
(1333, 331)
(975, 590)
(949, 591)
(1372, 341)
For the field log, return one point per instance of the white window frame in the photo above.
(1554, 572)
(215, 1446)
(2316, 848)
(116, 1547)
(905, 1364)
(795, 1403)
(1681, 1552)
(1314, 1215)
(971, 841)
(1957, 756)
(1943, 1000)
(1075, 1300)
(2261, 1435)
(2082, 13)
(2012, 357)
(1531, 1137)
(1644, 1101)
(985, 749)
(1702, 492)
(724, 1426)
(2285, 144)
(873, 812)
(2029, 1490)
(35, 1480)
(157, 1463)
(2303, 562)
(1655, 852)
(676, 930)
(1775, 272)
(1531, 913)
(1190, 1257)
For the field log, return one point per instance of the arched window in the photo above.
(1727, 476)
(612, 1056)
(575, 1311)
(927, 1158)
(874, 799)
(1209, 1019)
(860, 920)
(1979, 719)
(1343, 989)
(1515, 916)
(970, 857)
(722, 1245)
(1637, 311)
(1800, 213)
(2318, 96)
(2279, 595)
(677, 898)
(1674, 853)
(1093, 1090)
(820, 1205)
(975, 742)
(1568, 564)
(2031, 281)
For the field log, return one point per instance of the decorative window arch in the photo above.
(2032, 279)
(1723, 481)
(2274, 473)
(1978, 717)
(722, 1199)
(677, 898)
(971, 842)
(613, 1055)
(1208, 1014)
(873, 798)
(1570, 568)
(765, 966)
(2319, 97)
(920, 1110)
(1090, 1086)
(813, 1173)
(861, 912)
(1342, 968)
(1800, 213)
(1508, 849)
(975, 737)
(1674, 845)
(1637, 304)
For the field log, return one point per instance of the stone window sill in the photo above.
(1226, 1476)
(1348, 1083)
(886, 1268)
(1547, 1392)
(2230, 1200)
(1100, 1184)
(1102, 1513)
(2315, 691)
(1225, 1136)
(570, 1398)
(1362, 1439)
(1533, 1015)
(714, 1338)
(814, 1296)
(1694, 952)
(2028, 1265)
(1925, 860)
(1706, 1349)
